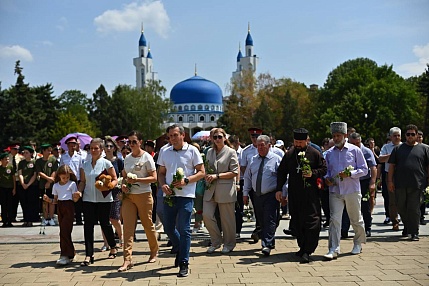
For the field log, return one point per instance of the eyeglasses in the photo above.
(123, 141)
(109, 146)
(215, 137)
(255, 135)
(410, 134)
(134, 141)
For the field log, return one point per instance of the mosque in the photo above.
(197, 102)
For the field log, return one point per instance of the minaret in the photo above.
(249, 61)
(143, 63)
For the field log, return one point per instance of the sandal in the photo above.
(112, 255)
(87, 261)
(124, 268)
(153, 258)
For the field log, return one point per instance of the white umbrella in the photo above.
(201, 135)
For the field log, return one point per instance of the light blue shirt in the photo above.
(91, 193)
(269, 175)
(370, 160)
(387, 150)
(338, 160)
(247, 154)
(74, 162)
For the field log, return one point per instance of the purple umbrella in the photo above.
(83, 138)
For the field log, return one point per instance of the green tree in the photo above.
(423, 88)
(100, 110)
(69, 123)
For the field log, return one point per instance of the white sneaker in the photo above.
(51, 222)
(225, 250)
(212, 249)
(44, 222)
(357, 248)
(64, 260)
(331, 255)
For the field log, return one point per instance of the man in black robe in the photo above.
(305, 167)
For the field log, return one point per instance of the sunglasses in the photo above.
(109, 146)
(134, 142)
(215, 137)
(410, 134)
(255, 135)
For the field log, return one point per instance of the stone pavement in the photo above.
(28, 258)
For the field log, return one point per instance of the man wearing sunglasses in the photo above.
(407, 177)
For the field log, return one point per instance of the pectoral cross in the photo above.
(298, 169)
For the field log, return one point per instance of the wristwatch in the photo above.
(186, 180)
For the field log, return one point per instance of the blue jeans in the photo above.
(180, 234)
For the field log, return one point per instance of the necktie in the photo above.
(259, 177)
(14, 163)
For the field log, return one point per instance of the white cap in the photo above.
(279, 143)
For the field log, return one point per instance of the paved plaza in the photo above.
(28, 258)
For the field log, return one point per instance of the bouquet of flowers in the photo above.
(366, 197)
(305, 167)
(209, 170)
(347, 170)
(426, 195)
(130, 175)
(178, 176)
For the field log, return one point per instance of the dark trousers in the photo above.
(365, 208)
(65, 219)
(267, 210)
(29, 199)
(239, 209)
(252, 196)
(96, 212)
(385, 192)
(78, 210)
(422, 211)
(6, 202)
(15, 203)
(408, 203)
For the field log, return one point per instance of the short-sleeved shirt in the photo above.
(411, 165)
(74, 162)
(370, 160)
(141, 166)
(6, 177)
(386, 150)
(187, 158)
(64, 192)
(46, 167)
(27, 169)
(247, 154)
(91, 193)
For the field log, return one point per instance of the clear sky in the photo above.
(80, 44)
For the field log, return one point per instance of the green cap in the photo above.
(3, 155)
(45, 146)
(29, 148)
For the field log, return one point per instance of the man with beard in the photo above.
(346, 164)
(304, 165)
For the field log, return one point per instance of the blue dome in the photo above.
(249, 40)
(149, 55)
(196, 90)
(239, 56)
(142, 41)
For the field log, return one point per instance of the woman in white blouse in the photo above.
(140, 172)
(96, 204)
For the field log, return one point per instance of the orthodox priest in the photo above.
(303, 167)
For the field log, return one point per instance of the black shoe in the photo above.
(387, 220)
(176, 260)
(368, 233)
(183, 272)
(422, 221)
(169, 243)
(344, 234)
(288, 232)
(266, 251)
(299, 253)
(255, 237)
(415, 237)
(405, 233)
(306, 258)
(79, 223)
(4, 225)
(326, 224)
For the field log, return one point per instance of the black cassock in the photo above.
(303, 196)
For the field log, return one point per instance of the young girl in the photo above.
(65, 192)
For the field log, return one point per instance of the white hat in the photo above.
(279, 143)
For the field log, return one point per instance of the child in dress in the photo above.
(65, 192)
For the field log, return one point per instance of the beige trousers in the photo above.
(227, 219)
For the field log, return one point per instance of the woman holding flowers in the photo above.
(139, 172)
(96, 204)
(221, 173)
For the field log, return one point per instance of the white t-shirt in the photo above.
(141, 166)
(64, 192)
(186, 158)
(91, 193)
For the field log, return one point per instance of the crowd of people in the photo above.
(164, 184)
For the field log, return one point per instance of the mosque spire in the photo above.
(142, 28)
(195, 72)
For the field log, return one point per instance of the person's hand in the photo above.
(46, 198)
(47, 185)
(131, 181)
(245, 200)
(166, 189)
(210, 178)
(284, 201)
(179, 184)
(279, 196)
(24, 186)
(343, 175)
(329, 181)
(76, 196)
(307, 174)
(391, 186)
(372, 187)
(124, 188)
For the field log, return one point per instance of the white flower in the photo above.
(120, 181)
(131, 176)
(180, 171)
(350, 168)
(427, 191)
(302, 153)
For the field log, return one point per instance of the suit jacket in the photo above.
(222, 190)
